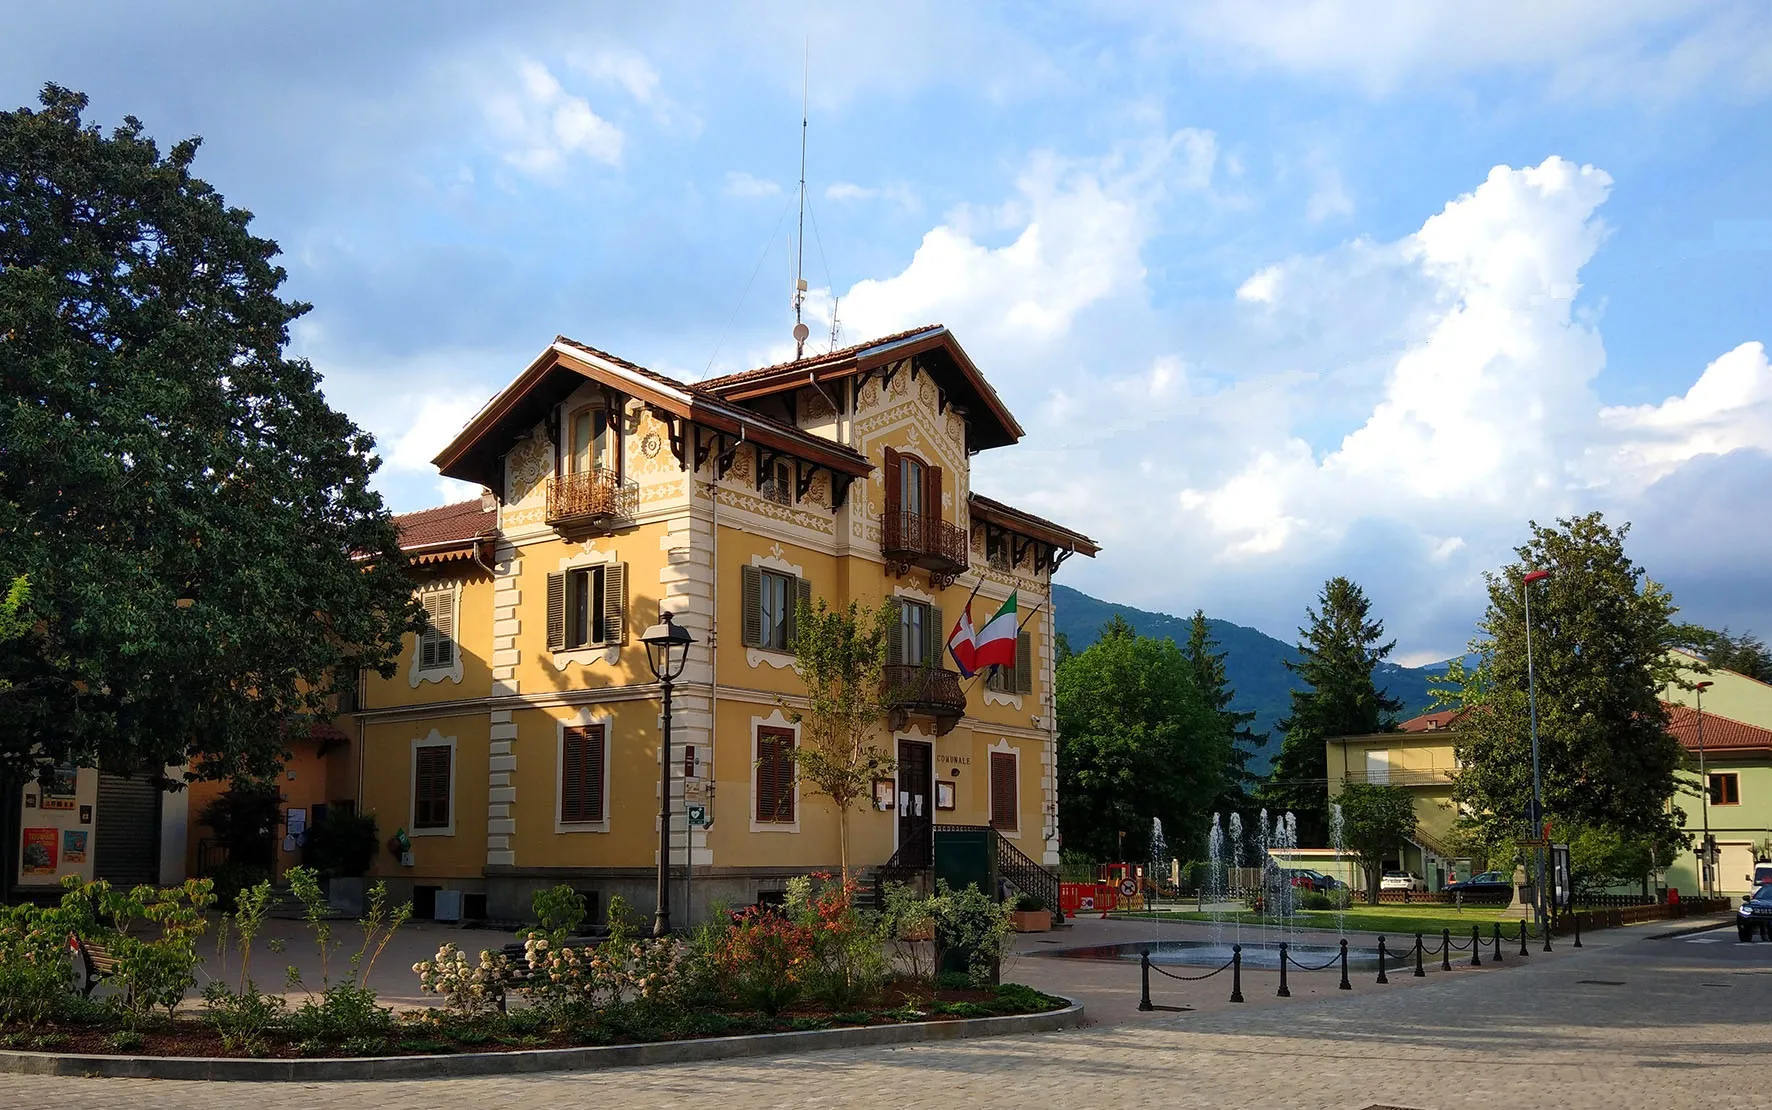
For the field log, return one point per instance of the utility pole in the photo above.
(1537, 777)
(1708, 864)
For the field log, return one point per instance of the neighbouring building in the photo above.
(1419, 755)
(517, 745)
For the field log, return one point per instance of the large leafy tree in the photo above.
(1135, 741)
(1376, 819)
(1744, 653)
(1600, 630)
(1213, 687)
(205, 556)
(1338, 654)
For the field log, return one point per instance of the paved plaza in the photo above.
(1629, 1021)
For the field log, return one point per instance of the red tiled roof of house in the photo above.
(1432, 722)
(726, 380)
(454, 523)
(1721, 734)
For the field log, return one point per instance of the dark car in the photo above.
(1320, 881)
(1755, 915)
(1490, 884)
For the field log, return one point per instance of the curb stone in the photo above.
(1688, 931)
(585, 1058)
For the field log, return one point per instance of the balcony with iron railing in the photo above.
(1402, 776)
(591, 499)
(922, 540)
(924, 690)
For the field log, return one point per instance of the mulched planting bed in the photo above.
(191, 1036)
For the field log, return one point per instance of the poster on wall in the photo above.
(73, 846)
(60, 790)
(38, 851)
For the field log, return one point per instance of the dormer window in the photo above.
(590, 441)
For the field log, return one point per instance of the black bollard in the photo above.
(1476, 946)
(1284, 993)
(1523, 951)
(1546, 926)
(1381, 975)
(1345, 985)
(1445, 949)
(1497, 956)
(1577, 917)
(1144, 971)
(1419, 973)
(1236, 973)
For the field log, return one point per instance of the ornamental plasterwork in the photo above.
(820, 523)
(775, 561)
(528, 466)
(992, 697)
(913, 593)
(651, 456)
(815, 407)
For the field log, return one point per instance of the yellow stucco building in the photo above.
(518, 743)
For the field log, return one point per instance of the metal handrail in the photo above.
(922, 686)
(924, 536)
(591, 495)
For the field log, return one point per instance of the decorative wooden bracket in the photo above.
(840, 489)
(1018, 550)
(702, 446)
(766, 460)
(804, 472)
(723, 462)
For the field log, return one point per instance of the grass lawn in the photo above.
(1392, 920)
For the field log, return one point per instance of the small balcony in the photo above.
(921, 540)
(595, 499)
(923, 691)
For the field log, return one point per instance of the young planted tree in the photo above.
(1338, 654)
(1376, 819)
(1206, 666)
(840, 655)
(203, 548)
(1600, 632)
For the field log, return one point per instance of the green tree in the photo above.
(1376, 819)
(203, 548)
(1337, 656)
(1599, 637)
(1743, 653)
(1213, 687)
(1135, 741)
(840, 655)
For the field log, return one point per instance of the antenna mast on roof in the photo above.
(801, 331)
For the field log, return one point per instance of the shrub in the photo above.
(469, 989)
(909, 922)
(1029, 903)
(560, 910)
(155, 970)
(231, 878)
(849, 966)
(36, 976)
(342, 844)
(344, 1013)
(1315, 900)
(766, 959)
(245, 818)
(970, 922)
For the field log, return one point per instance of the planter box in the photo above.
(1032, 921)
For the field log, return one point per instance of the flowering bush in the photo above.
(849, 962)
(466, 988)
(767, 959)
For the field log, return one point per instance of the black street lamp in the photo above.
(667, 653)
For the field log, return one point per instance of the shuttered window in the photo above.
(1020, 678)
(587, 607)
(771, 602)
(430, 786)
(582, 751)
(775, 776)
(436, 642)
(1005, 805)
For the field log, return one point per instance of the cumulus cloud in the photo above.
(742, 184)
(540, 126)
(1729, 408)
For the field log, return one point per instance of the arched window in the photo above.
(590, 443)
(912, 484)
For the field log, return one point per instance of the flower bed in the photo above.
(821, 963)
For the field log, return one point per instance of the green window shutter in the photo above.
(802, 597)
(751, 601)
(556, 612)
(895, 636)
(934, 637)
(1024, 663)
(615, 603)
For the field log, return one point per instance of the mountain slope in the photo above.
(1254, 661)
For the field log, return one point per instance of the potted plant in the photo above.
(1031, 915)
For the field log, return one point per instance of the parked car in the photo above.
(1401, 880)
(1490, 884)
(1755, 915)
(1307, 879)
(1761, 876)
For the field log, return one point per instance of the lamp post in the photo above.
(667, 653)
(1537, 778)
(1705, 864)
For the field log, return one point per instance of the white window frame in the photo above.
(789, 599)
(608, 654)
(1001, 747)
(452, 672)
(584, 719)
(775, 720)
(433, 739)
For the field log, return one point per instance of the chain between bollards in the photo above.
(1236, 973)
(1419, 973)
(1345, 985)
(1381, 975)
(1144, 971)
(1476, 946)
(1445, 949)
(1497, 956)
(1523, 951)
(1284, 992)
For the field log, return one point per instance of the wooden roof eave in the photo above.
(1012, 520)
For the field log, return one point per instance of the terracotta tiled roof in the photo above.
(1051, 532)
(811, 361)
(1720, 733)
(1432, 722)
(456, 523)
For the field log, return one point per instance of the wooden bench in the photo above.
(96, 963)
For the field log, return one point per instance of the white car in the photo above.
(1401, 880)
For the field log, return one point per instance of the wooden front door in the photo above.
(916, 802)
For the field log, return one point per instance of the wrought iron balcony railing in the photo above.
(924, 540)
(926, 691)
(594, 498)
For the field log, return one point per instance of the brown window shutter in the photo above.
(430, 808)
(802, 599)
(1024, 663)
(893, 477)
(751, 601)
(932, 508)
(556, 612)
(581, 774)
(615, 603)
(1004, 804)
(775, 776)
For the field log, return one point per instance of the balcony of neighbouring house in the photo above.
(910, 539)
(923, 691)
(594, 499)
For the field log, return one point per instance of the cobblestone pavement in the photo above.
(1629, 1021)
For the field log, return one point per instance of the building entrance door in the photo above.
(916, 802)
(126, 839)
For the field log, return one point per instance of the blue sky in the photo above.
(1279, 289)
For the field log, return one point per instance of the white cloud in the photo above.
(1727, 409)
(742, 184)
(540, 125)
(897, 194)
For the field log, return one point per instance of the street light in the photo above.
(667, 653)
(1537, 778)
(1705, 864)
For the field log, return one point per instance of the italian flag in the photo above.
(994, 645)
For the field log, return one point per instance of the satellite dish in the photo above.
(801, 331)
